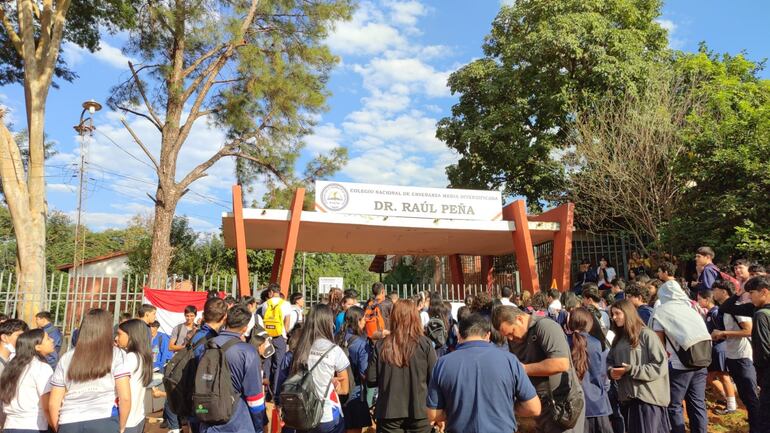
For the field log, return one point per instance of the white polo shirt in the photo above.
(24, 411)
(92, 400)
(134, 365)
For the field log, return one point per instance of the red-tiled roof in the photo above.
(94, 260)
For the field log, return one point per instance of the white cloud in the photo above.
(365, 34)
(324, 138)
(107, 54)
(61, 187)
(412, 73)
(406, 13)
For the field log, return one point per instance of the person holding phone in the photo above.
(638, 362)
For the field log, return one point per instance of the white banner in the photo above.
(325, 284)
(406, 201)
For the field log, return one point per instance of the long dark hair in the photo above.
(633, 326)
(92, 357)
(319, 323)
(438, 309)
(405, 331)
(580, 320)
(25, 352)
(139, 344)
(352, 316)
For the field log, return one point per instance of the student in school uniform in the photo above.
(43, 321)
(24, 384)
(244, 363)
(132, 337)
(90, 380)
(353, 339)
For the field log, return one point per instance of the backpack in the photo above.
(351, 380)
(214, 397)
(179, 379)
(696, 356)
(373, 317)
(274, 319)
(436, 331)
(301, 408)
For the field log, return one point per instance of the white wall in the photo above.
(114, 267)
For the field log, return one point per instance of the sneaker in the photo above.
(164, 424)
(724, 411)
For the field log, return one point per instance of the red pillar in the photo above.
(291, 240)
(487, 271)
(522, 244)
(562, 242)
(456, 269)
(275, 272)
(241, 263)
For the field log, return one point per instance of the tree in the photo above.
(623, 165)
(30, 42)
(728, 158)
(254, 67)
(543, 60)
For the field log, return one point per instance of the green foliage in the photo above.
(543, 60)
(85, 19)
(728, 159)
(353, 268)
(270, 78)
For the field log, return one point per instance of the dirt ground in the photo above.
(733, 423)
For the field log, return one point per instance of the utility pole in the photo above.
(83, 128)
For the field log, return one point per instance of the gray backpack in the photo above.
(214, 398)
(301, 408)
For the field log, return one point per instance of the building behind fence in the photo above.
(68, 297)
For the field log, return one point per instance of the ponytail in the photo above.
(579, 354)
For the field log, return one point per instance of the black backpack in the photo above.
(351, 380)
(696, 356)
(179, 379)
(436, 331)
(214, 397)
(301, 408)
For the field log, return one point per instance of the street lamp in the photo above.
(84, 126)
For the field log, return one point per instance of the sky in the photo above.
(388, 92)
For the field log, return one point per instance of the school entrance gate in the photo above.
(379, 219)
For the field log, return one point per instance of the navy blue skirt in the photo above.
(641, 417)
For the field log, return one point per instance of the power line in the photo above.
(124, 150)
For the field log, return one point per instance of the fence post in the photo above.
(117, 300)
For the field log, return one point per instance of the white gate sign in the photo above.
(325, 284)
(407, 201)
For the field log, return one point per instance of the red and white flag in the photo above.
(171, 305)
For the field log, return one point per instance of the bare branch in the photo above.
(190, 69)
(136, 113)
(144, 148)
(200, 170)
(155, 119)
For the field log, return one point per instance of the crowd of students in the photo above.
(628, 357)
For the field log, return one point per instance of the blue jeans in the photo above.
(171, 419)
(616, 418)
(690, 386)
(745, 377)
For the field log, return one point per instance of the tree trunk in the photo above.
(161, 241)
(24, 193)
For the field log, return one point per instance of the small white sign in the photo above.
(325, 284)
(406, 201)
